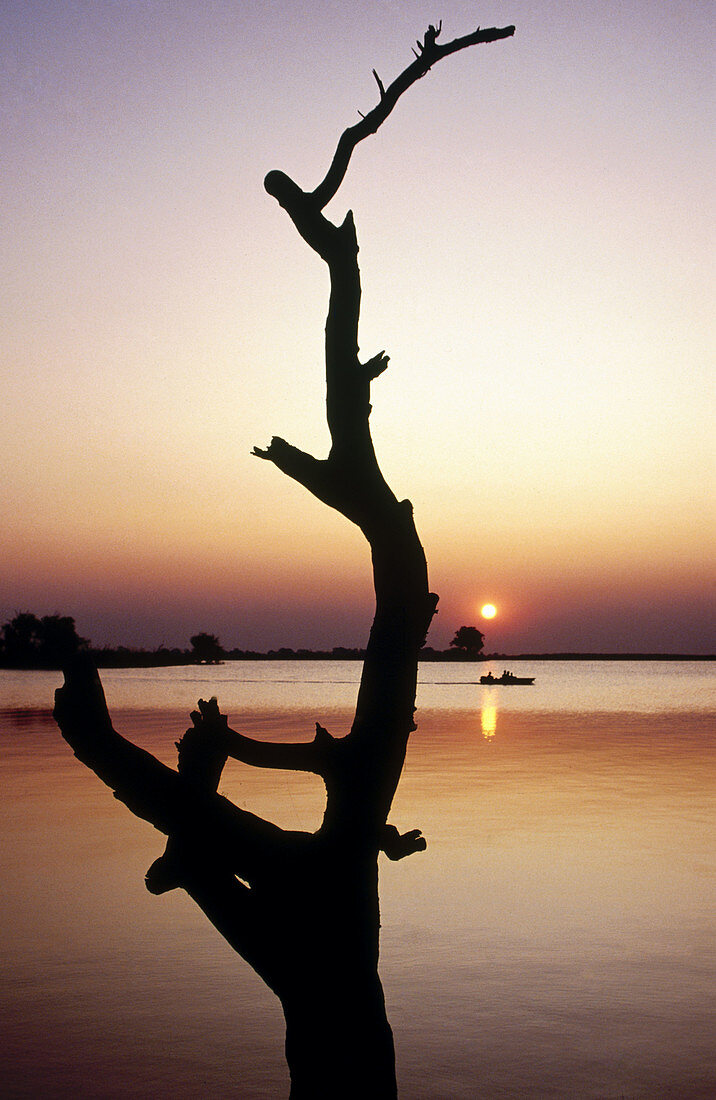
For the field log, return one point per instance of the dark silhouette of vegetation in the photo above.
(29, 642)
(206, 649)
(468, 642)
(302, 908)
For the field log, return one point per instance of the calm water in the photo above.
(555, 940)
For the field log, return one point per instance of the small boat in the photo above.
(507, 679)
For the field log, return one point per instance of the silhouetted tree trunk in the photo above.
(302, 908)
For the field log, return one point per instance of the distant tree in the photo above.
(29, 642)
(21, 639)
(60, 640)
(206, 649)
(468, 641)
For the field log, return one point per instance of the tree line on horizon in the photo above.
(28, 641)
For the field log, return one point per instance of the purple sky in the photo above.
(534, 225)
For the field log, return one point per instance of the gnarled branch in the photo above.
(178, 803)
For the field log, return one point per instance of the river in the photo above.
(555, 939)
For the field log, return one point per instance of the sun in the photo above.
(488, 611)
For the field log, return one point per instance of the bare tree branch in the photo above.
(429, 53)
(211, 735)
(176, 803)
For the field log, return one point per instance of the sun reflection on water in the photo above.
(488, 716)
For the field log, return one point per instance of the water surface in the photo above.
(555, 940)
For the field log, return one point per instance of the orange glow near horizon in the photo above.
(545, 408)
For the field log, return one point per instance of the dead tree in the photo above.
(302, 908)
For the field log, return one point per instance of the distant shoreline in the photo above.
(167, 658)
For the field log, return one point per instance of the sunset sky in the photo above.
(534, 222)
